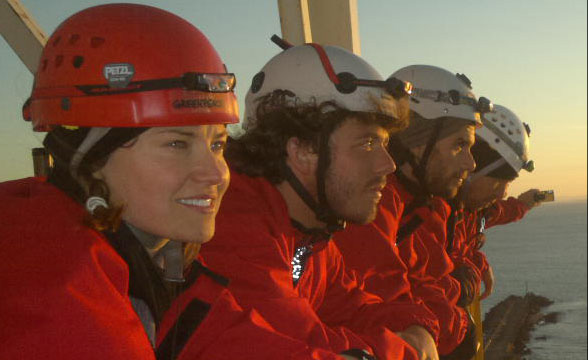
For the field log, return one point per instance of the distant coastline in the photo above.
(546, 253)
(508, 325)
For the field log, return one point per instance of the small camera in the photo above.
(545, 196)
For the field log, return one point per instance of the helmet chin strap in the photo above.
(420, 170)
(487, 169)
(323, 213)
(482, 172)
(93, 136)
(419, 166)
(321, 209)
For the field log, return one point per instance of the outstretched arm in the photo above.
(529, 198)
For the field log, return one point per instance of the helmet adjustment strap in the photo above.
(404, 155)
(465, 188)
(420, 170)
(93, 136)
(322, 210)
(300, 189)
(322, 214)
(488, 169)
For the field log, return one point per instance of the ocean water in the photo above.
(545, 253)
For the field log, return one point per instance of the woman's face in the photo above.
(170, 180)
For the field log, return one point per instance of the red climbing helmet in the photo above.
(128, 65)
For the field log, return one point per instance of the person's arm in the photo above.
(347, 304)
(65, 296)
(370, 251)
(371, 254)
(258, 266)
(452, 319)
(512, 209)
(429, 268)
(529, 198)
(488, 279)
(421, 340)
(206, 322)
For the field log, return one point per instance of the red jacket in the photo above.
(469, 231)
(429, 265)
(371, 251)
(255, 245)
(65, 295)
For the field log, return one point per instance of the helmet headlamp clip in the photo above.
(348, 83)
(482, 105)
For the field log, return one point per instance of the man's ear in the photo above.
(98, 175)
(301, 158)
(418, 151)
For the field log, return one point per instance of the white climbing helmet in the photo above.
(319, 73)
(439, 93)
(508, 135)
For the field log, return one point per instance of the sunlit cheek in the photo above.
(119, 189)
(225, 177)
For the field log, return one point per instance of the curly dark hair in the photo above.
(261, 151)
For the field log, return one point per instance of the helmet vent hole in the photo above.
(257, 82)
(58, 60)
(510, 132)
(56, 41)
(73, 39)
(44, 64)
(494, 119)
(502, 125)
(96, 42)
(77, 61)
(497, 140)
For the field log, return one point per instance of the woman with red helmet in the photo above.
(99, 260)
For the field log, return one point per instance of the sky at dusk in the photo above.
(528, 55)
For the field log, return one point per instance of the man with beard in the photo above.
(314, 155)
(501, 152)
(402, 254)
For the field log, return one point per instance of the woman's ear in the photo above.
(301, 158)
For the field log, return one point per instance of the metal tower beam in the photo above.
(294, 21)
(329, 22)
(335, 22)
(22, 33)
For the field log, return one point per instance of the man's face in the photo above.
(358, 169)
(484, 191)
(450, 162)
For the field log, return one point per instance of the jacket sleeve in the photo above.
(505, 211)
(429, 269)
(347, 303)
(452, 319)
(439, 291)
(480, 261)
(257, 262)
(206, 322)
(66, 297)
(369, 250)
